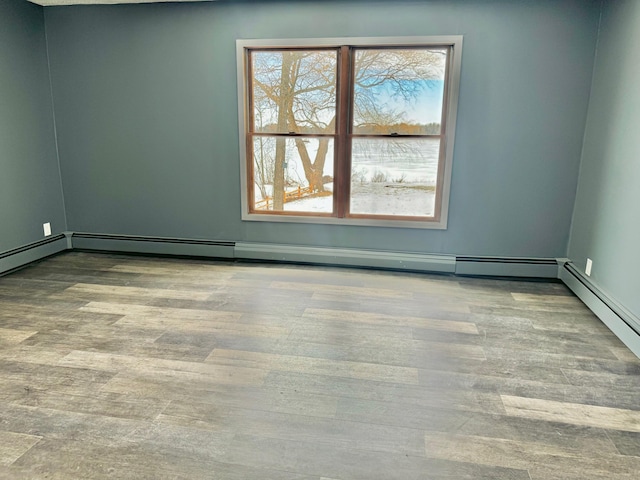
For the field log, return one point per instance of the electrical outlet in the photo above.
(47, 229)
(587, 269)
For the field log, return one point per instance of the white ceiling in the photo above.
(49, 3)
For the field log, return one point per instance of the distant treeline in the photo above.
(399, 128)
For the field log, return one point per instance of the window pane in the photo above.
(399, 91)
(294, 91)
(293, 174)
(394, 176)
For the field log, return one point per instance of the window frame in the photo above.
(450, 107)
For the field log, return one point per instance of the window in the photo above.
(350, 131)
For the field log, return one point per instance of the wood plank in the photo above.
(578, 414)
(14, 445)
(110, 291)
(542, 461)
(341, 290)
(290, 363)
(382, 319)
(165, 369)
(10, 336)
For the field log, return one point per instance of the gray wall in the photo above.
(30, 190)
(606, 222)
(146, 109)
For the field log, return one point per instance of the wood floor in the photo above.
(152, 368)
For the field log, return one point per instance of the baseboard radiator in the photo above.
(351, 257)
(187, 247)
(16, 258)
(623, 323)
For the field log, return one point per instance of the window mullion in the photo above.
(343, 145)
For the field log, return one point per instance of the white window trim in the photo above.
(455, 41)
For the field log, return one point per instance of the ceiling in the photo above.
(49, 3)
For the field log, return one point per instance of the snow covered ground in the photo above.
(412, 199)
(388, 177)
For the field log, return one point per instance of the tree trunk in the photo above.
(318, 165)
(313, 171)
(278, 174)
(286, 100)
(306, 162)
(263, 175)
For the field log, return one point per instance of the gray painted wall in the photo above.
(146, 109)
(30, 190)
(606, 222)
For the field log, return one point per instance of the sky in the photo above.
(426, 108)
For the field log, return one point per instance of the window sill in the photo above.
(362, 222)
